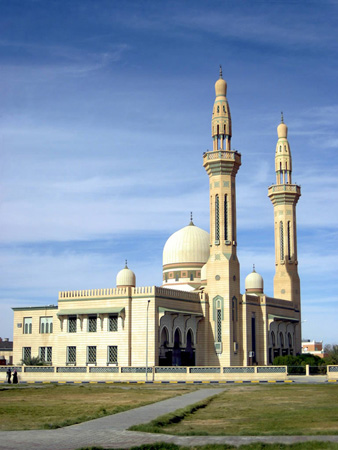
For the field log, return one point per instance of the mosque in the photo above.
(198, 317)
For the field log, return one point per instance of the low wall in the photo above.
(79, 374)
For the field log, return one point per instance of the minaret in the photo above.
(284, 196)
(223, 280)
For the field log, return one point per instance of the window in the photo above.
(191, 277)
(72, 324)
(71, 355)
(281, 237)
(92, 324)
(289, 242)
(224, 108)
(218, 109)
(273, 339)
(26, 352)
(45, 354)
(219, 326)
(281, 340)
(27, 325)
(46, 324)
(91, 354)
(112, 323)
(217, 218)
(225, 218)
(112, 354)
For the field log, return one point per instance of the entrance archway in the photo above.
(177, 357)
(188, 355)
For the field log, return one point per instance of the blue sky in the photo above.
(105, 111)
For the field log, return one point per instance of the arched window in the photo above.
(281, 339)
(164, 337)
(218, 109)
(281, 239)
(289, 340)
(273, 339)
(224, 108)
(226, 217)
(190, 340)
(217, 218)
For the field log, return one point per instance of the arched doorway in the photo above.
(177, 357)
(188, 355)
(165, 356)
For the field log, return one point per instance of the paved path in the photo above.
(111, 431)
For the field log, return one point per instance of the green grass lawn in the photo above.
(53, 406)
(257, 410)
(311, 445)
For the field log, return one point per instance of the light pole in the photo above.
(147, 341)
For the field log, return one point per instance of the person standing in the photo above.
(15, 377)
(9, 374)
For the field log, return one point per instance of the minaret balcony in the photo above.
(222, 162)
(284, 188)
(222, 154)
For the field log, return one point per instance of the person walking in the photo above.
(15, 377)
(9, 374)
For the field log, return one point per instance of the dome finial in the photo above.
(253, 269)
(220, 71)
(126, 266)
(191, 222)
(282, 117)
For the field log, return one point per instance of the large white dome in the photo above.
(190, 244)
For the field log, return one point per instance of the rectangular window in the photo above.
(219, 326)
(112, 354)
(45, 354)
(72, 324)
(26, 353)
(71, 355)
(92, 324)
(27, 325)
(91, 354)
(46, 324)
(112, 323)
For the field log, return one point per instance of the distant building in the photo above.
(198, 316)
(313, 347)
(6, 351)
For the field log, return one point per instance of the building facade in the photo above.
(198, 317)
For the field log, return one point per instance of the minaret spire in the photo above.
(221, 118)
(223, 278)
(284, 196)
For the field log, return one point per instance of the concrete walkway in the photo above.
(111, 431)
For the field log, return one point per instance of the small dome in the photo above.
(221, 85)
(125, 277)
(187, 245)
(254, 283)
(282, 129)
(204, 273)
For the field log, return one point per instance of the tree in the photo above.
(331, 354)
